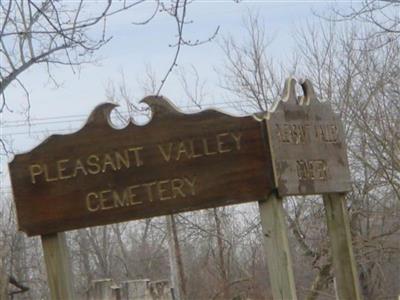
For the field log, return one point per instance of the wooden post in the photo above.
(3, 273)
(175, 260)
(135, 289)
(3, 282)
(59, 273)
(342, 251)
(276, 248)
(161, 290)
(104, 289)
(145, 290)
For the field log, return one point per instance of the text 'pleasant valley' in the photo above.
(159, 189)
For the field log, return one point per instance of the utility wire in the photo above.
(82, 117)
(67, 122)
(79, 117)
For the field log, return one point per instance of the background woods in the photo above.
(355, 68)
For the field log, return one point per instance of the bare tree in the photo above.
(178, 10)
(249, 73)
(380, 13)
(360, 78)
(51, 33)
(56, 33)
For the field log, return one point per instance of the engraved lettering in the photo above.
(292, 133)
(191, 183)
(162, 190)
(89, 202)
(177, 187)
(298, 134)
(103, 199)
(320, 167)
(302, 172)
(61, 168)
(206, 150)
(132, 195)
(35, 170)
(149, 190)
(46, 175)
(122, 159)
(166, 153)
(283, 133)
(220, 143)
(327, 133)
(93, 164)
(237, 138)
(128, 197)
(311, 169)
(136, 152)
(121, 202)
(79, 167)
(192, 149)
(108, 162)
(182, 150)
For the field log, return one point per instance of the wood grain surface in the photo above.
(177, 162)
(308, 145)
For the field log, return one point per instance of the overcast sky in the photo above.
(132, 48)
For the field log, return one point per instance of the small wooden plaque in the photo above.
(177, 162)
(308, 145)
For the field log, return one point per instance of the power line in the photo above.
(60, 119)
(72, 129)
(40, 123)
(82, 117)
(52, 131)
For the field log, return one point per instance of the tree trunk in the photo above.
(220, 245)
(3, 280)
(175, 257)
(321, 282)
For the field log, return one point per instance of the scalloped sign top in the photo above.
(308, 145)
(175, 163)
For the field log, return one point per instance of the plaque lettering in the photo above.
(177, 162)
(311, 169)
(307, 143)
(160, 190)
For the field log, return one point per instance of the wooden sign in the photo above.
(308, 145)
(177, 162)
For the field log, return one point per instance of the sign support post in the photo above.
(175, 260)
(59, 274)
(276, 247)
(308, 150)
(207, 159)
(342, 251)
(177, 162)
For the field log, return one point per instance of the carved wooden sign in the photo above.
(177, 162)
(308, 145)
